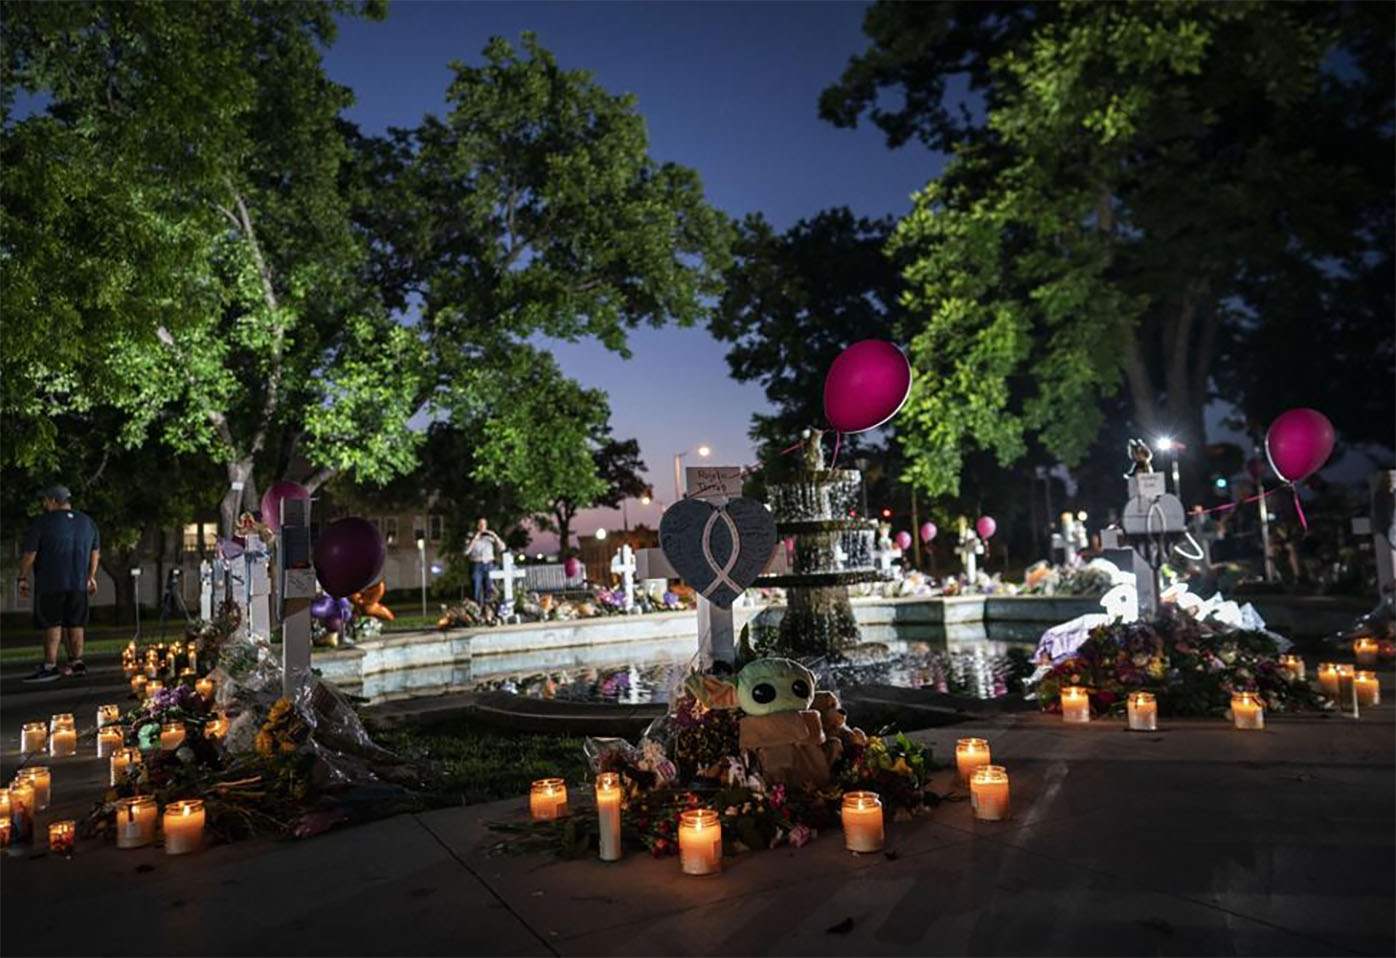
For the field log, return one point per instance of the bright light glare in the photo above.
(1164, 444)
(704, 451)
(600, 533)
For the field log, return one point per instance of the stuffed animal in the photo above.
(1141, 458)
(837, 734)
(779, 725)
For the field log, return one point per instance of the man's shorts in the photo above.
(66, 609)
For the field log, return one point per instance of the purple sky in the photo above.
(729, 89)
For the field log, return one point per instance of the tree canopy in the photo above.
(250, 276)
(1155, 196)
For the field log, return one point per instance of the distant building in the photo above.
(597, 553)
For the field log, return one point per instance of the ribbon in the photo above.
(834, 462)
(722, 577)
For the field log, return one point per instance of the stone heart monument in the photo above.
(718, 550)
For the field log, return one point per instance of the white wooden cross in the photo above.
(507, 575)
(206, 590)
(969, 549)
(258, 586)
(885, 557)
(623, 565)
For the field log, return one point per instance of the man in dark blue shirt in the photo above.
(62, 547)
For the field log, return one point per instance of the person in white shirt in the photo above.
(480, 551)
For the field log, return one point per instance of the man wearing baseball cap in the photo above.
(62, 547)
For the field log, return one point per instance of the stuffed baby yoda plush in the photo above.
(779, 726)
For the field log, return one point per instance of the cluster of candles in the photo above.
(988, 783)
(1343, 683)
(31, 791)
(175, 662)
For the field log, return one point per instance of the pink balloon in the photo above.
(928, 531)
(866, 385)
(272, 498)
(903, 540)
(986, 526)
(572, 567)
(1298, 443)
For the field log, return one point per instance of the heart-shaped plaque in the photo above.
(718, 550)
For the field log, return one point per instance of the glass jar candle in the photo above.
(216, 728)
(204, 687)
(62, 737)
(21, 812)
(123, 760)
(109, 739)
(861, 815)
(988, 793)
(1076, 704)
(33, 737)
(1366, 687)
(38, 778)
(1294, 665)
(1365, 649)
(184, 826)
(1328, 679)
(62, 837)
(700, 842)
(138, 683)
(1143, 712)
(188, 677)
(135, 821)
(970, 753)
(171, 736)
(61, 720)
(1246, 711)
(108, 715)
(547, 799)
(4, 804)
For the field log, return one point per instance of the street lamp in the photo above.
(601, 535)
(422, 562)
(1170, 445)
(703, 453)
(625, 512)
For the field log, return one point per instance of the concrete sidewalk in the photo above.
(1197, 839)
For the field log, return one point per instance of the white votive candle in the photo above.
(1143, 712)
(171, 736)
(547, 799)
(184, 826)
(33, 736)
(1076, 704)
(4, 804)
(122, 761)
(608, 801)
(1365, 649)
(1367, 688)
(108, 740)
(1347, 688)
(204, 687)
(135, 821)
(38, 778)
(1246, 711)
(862, 822)
(138, 683)
(988, 793)
(970, 753)
(108, 715)
(700, 842)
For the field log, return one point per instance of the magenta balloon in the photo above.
(571, 567)
(928, 531)
(1298, 443)
(349, 556)
(986, 526)
(271, 501)
(866, 385)
(903, 540)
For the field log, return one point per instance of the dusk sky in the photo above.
(729, 89)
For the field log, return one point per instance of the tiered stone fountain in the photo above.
(833, 550)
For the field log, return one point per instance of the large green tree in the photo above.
(1151, 197)
(270, 288)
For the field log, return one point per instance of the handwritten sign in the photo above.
(713, 482)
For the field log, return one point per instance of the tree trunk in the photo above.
(117, 564)
(241, 489)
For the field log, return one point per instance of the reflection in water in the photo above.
(978, 669)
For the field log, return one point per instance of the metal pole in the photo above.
(1177, 483)
(422, 560)
(916, 543)
(678, 487)
(1265, 534)
(625, 515)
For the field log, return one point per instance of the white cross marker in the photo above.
(623, 565)
(507, 575)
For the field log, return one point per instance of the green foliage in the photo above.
(1140, 206)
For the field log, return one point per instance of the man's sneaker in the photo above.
(78, 667)
(44, 673)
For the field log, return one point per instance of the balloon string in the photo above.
(789, 449)
(1241, 502)
(834, 462)
(1299, 508)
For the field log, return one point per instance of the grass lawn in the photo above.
(484, 763)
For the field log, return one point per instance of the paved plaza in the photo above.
(1198, 839)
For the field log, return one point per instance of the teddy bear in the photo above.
(838, 735)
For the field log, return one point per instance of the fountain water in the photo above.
(833, 549)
